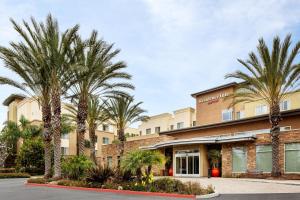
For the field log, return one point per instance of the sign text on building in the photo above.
(214, 98)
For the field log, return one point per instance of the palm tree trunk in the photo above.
(47, 135)
(121, 137)
(93, 142)
(81, 119)
(56, 125)
(275, 118)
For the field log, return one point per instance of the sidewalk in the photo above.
(247, 186)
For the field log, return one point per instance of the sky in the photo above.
(172, 47)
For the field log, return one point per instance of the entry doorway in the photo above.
(215, 160)
(187, 163)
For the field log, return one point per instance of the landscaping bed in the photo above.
(14, 175)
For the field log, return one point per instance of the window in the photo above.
(284, 105)
(194, 123)
(239, 114)
(157, 129)
(140, 132)
(65, 136)
(109, 161)
(64, 150)
(105, 127)
(261, 109)
(227, 115)
(180, 125)
(172, 127)
(105, 140)
(239, 159)
(264, 158)
(292, 157)
(148, 131)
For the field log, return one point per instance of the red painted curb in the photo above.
(128, 192)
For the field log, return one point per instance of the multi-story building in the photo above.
(182, 118)
(19, 105)
(241, 133)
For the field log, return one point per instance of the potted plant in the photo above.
(168, 166)
(214, 156)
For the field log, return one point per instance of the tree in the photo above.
(136, 160)
(122, 111)
(28, 60)
(59, 55)
(96, 116)
(96, 73)
(270, 76)
(31, 156)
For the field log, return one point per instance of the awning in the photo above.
(203, 140)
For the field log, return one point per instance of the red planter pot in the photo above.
(171, 171)
(215, 172)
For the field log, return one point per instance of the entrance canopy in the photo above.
(204, 140)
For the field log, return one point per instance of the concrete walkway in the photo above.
(248, 186)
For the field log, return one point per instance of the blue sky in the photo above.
(172, 47)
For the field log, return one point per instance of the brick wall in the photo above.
(285, 137)
(113, 150)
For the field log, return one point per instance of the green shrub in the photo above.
(76, 167)
(99, 174)
(7, 170)
(37, 180)
(31, 157)
(123, 176)
(168, 185)
(73, 183)
(194, 188)
(14, 175)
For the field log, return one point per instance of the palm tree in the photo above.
(134, 161)
(41, 60)
(270, 76)
(27, 60)
(122, 111)
(96, 116)
(60, 58)
(95, 73)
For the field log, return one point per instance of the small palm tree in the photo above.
(270, 76)
(136, 160)
(95, 73)
(96, 116)
(122, 111)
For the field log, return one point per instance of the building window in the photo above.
(292, 157)
(180, 125)
(140, 133)
(264, 158)
(148, 131)
(157, 129)
(194, 123)
(109, 161)
(64, 150)
(105, 127)
(172, 127)
(227, 115)
(284, 105)
(105, 140)
(239, 115)
(261, 109)
(239, 159)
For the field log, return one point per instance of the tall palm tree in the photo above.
(96, 74)
(41, 60)
(122, 111)
(59, 55)
(27, 60)
(270, 76)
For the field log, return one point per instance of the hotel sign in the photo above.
(213, 99)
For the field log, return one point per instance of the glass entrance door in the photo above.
(187, 163)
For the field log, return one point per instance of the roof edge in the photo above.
(214, 89)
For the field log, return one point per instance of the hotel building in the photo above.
(19, 105)
(241, 133)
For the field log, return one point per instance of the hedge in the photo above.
(7, 170)
(14, 175)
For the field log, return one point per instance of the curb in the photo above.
(207, 196)
(127, 192)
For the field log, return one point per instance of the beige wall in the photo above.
(165, 120)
